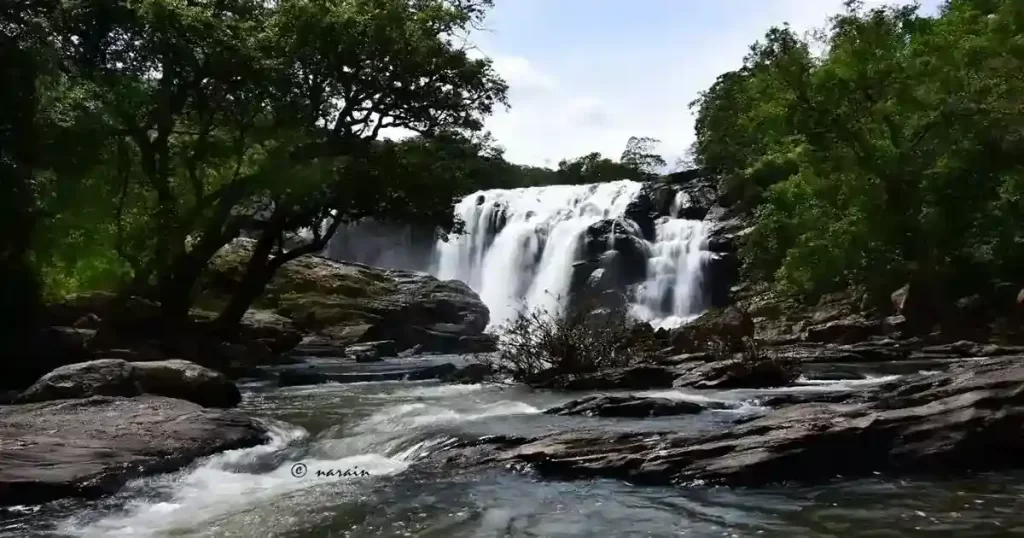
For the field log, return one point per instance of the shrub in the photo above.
(582, 341)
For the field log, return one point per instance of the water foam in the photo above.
(521, 243)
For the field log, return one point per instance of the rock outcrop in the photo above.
(739, 373)
(627, 406)
(115, 377)
(91, 447)
(353, 303)
(967, 419)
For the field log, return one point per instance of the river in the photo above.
(377, 430)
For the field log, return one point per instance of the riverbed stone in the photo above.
(739, 373)
(967, 419)
(628, 406)
(640, 377)
(173, 378)
(92, 447)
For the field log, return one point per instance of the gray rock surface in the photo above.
(626, 406)
(351, 303)
(92, 447)
(115, 377)
(967, 419)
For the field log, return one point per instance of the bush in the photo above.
(583, 341)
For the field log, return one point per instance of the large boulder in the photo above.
(740, 373)
(727, 328)
(92, 447)
(641, 377)
(626, 406)
(115, 377)
(275, 331)
(351, 302)
(968, 419)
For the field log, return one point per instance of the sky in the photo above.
(585, 75)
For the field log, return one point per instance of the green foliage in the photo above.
(155, 131)
(639, 155)
(538, 346)
(895, 155)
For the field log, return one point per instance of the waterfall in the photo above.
(673, 292)
(521, 244)
(519, 248)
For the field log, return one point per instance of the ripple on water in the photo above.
(252, 492)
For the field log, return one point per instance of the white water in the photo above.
(520, 245)
(527, 263)
(673, 292)
(232, 484)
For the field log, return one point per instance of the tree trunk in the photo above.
(20, 289)
(258, 274)
(260, 270)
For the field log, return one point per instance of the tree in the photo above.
(210, 119)
(25, 56)
(894, 157)
(639, 155)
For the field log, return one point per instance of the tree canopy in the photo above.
(152, 132)
(894, 155)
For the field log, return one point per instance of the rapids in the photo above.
(382, 429)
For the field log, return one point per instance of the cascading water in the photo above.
(520, 245)
(673, 292)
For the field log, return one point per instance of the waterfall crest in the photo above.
(521, 247)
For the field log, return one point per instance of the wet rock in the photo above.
(313, 375)
(277, 332)
(942, 423)
(627, 407)
(92, 447)
(894, 325)
(919, 305)
(844, 331)
(799, 398)
(723, 271)
(740, 373)
(372, 351)
(643, 377)
(115, 377)
(470, 374)
(728, 327)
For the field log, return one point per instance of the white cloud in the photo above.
(573, 90)
(522, 77)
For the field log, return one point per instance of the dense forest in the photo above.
(896, 154)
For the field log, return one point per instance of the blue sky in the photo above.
(585, 75)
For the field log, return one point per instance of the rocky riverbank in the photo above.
(314, 306)
(966, 419)
(84, 430)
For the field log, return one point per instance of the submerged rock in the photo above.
(967, 419)
(627, 406)
(116, 377)
(92, 447)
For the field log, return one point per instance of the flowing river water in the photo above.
(377, 431)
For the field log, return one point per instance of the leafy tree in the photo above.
(895, 157)
(639, 155)
(208, 120)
